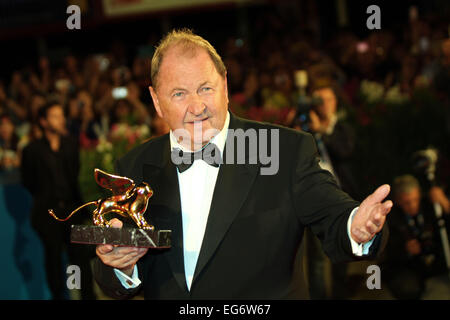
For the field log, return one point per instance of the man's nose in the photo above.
(196, 105)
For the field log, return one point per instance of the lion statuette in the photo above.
(128, 200)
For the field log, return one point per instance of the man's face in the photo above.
(191, 94)
(409, 201)
(328, 107)
(55, 120)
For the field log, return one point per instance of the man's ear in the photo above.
(155, 101)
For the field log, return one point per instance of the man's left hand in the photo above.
(371, 215)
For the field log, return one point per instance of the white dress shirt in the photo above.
(196, 191)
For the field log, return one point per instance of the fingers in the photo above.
(384, 208)
(377, 217)
(372, 228)
(104, 249)
(378, 220)
(371, 215)
(379, 194)
(134, 260)
(130, 259)
(116, 223)
(374, 223)
(123, 261)
(121, 257)
(360, 235)
(114, 252)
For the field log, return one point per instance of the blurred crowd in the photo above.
(95, 98)
(99, 91)
(102, 93)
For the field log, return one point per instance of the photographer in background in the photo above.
(335, 138)
(335, 141)
(318, 114)
(415, 252)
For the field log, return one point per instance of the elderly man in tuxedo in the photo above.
(235, 230)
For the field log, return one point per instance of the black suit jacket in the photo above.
(41, 176)
(255, 224)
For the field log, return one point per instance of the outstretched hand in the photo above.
(371, 215)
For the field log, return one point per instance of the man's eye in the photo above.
(178, 94)
(206, 89)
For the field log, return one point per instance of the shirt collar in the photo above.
(219, 140)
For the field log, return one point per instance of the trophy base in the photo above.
(123, 237)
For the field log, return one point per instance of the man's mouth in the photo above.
(198, 121)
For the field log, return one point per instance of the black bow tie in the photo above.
(210, 154)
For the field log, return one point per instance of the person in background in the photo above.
(50, 167)
(281, 95)
(9, 157)
(87, 120)
(414, 252)
(122, 113)
(38, 100)
(73, 117)
(338, 137)
(335, 141)
(139, 109)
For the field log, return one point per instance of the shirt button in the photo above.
(129, 282)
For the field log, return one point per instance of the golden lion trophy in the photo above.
(128, 200)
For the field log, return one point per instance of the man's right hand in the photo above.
(122, 258)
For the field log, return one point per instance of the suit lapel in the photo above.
(165, 207)
(233, 184)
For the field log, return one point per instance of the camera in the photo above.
(305, 103)
(424, 164)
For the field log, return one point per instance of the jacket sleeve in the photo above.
(109, 283)
(322, 206)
